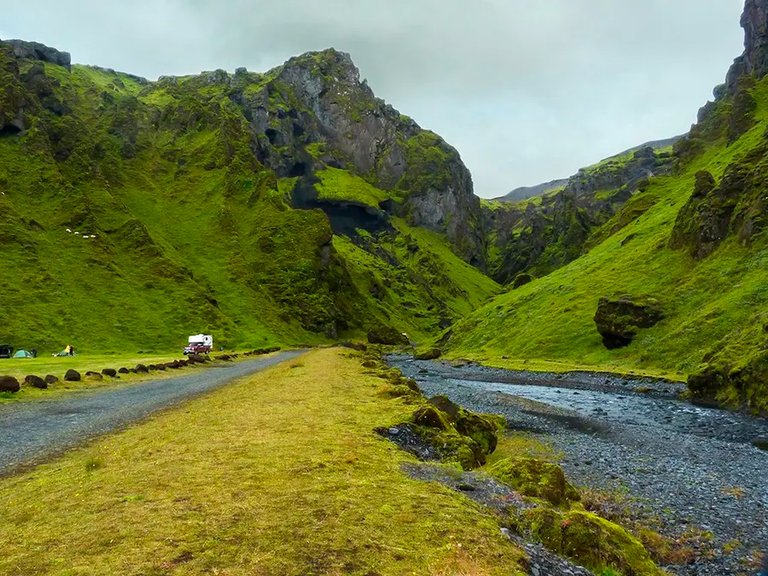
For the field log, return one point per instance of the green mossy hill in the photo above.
(543, 233)
(695, 241)
(133, 213)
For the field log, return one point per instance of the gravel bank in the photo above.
(688, 466)
(31, 432)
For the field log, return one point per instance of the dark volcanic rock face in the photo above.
(315, 111)
(347, 115)
(618, 320)
(754, 61)
(37, 51)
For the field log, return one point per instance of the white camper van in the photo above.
(199, 344)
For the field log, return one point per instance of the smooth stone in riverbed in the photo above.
(761, 443)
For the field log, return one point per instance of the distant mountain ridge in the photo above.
(525, 192)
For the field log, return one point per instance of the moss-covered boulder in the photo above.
(587, 539)
(707, 382)
(35, 382)
(482, 428)
(619, 319)
(9, 384)
(535, 479)
(428, 354)
(735, 382)
(457, 434)
(72, 376)
(387, 336)
(431, 417)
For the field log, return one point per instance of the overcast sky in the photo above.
(526, 90)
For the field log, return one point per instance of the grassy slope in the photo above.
(429, 283)
(718, 302)
(336, 184)
(256, 479)
(117, 290)
(193, 234)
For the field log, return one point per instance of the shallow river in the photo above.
(690, 466)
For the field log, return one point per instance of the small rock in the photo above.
(761, 442)
(9, 384)
(72, 376)
(35, 382)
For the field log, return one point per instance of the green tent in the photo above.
(23, 354)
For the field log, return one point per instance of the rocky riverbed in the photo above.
(694, 469)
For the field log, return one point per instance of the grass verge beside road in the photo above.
(278, 474)
(20, 368)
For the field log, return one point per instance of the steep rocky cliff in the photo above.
(754, 60)
(315, 112)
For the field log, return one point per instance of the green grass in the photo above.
(337, 184)
(430, 284)
(254, 479)
(19, 368)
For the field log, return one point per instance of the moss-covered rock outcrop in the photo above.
(535, 478)
(619, 319)
(587, 539)
(458, 435)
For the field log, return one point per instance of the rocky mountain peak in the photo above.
(329, 64)
(37, 51)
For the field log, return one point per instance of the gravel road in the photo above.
(31, 432)
(688, 466)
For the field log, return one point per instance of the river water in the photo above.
(691, 467)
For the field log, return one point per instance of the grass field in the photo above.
(42, 366)
(281, 473)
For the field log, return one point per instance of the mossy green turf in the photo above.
(720, 303)
(256, 479)
(192, 233)
(337, 184)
